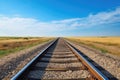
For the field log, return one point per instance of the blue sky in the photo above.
(59, 17)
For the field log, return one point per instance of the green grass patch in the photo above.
(108, 44)
(6, 52)
(103, 50)
(16, 49)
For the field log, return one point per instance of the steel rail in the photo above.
(26, 66)
(97, 73)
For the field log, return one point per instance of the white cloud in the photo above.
(94, 20)
(29, 26)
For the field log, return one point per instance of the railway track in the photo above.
(59, 61)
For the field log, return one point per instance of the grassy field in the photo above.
(104, 44)
(13, 44)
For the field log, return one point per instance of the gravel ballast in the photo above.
(59, 75)
(59, 65)
(65, 59)
(65, 55)
(107, 61)
(56, 64)
(12, 63)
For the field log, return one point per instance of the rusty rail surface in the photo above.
(95, 74)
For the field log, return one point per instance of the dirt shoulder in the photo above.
(108, 62)
(11, 64)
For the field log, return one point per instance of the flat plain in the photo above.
(109, 45)
(13, 44)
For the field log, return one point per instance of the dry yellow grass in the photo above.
(104, 44)
(13, 40)
(112, 40)
(12, 43)
(19, 40)
(9, 45)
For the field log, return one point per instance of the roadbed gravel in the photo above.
(65, 55)
(57, 68)
(64, 59)
(109, 62)
(58, 75)
(58, 65)
(11, 64)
